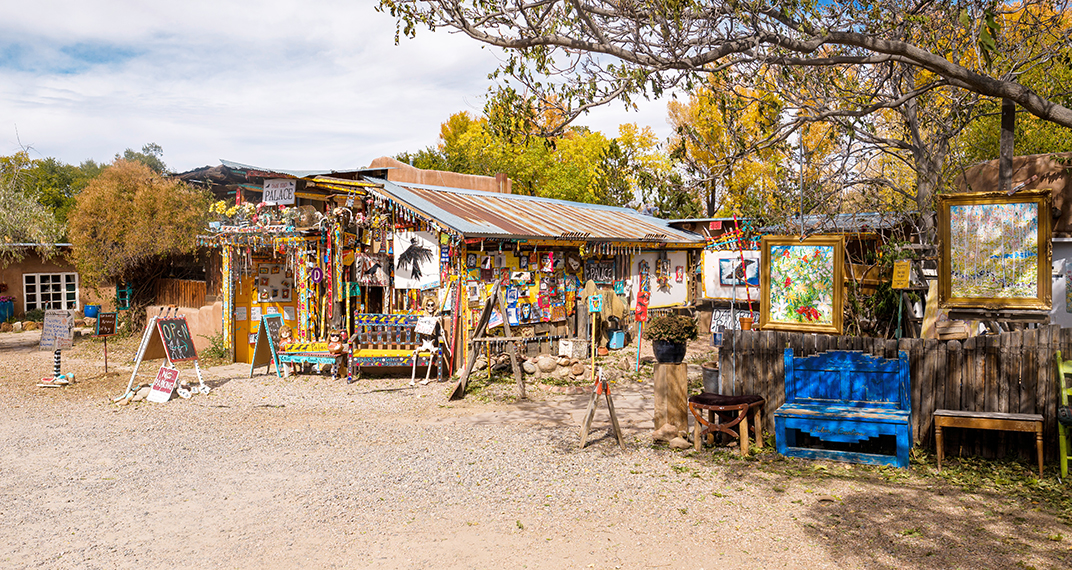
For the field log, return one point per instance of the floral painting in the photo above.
(994, 250)
(801, 283)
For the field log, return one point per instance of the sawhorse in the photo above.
(600, 387)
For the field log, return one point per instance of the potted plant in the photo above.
(669, 336)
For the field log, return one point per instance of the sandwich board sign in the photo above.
(266, 350)
(167, 337)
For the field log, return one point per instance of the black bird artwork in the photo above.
(372, 270)
(414, 256)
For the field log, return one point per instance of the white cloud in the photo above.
(317, 84)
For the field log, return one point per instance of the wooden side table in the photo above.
(721, 407)
(987, 420)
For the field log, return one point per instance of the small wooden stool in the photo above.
(720, 407)
(987, 420)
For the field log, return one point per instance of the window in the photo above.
(50, 291)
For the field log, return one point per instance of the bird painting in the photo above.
(414, 256)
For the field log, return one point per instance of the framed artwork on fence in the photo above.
(801, 283)
(995, 250)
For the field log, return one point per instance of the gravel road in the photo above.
(304, 472)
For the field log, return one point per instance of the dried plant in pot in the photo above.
(669, 336)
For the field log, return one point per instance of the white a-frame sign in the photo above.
(167, 337)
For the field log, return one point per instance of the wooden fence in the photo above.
(1011, 372)
(180, 292)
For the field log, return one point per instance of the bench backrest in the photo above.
(1064, 388)
(385, 331)
(847, 378)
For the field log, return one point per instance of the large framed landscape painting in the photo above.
(995, 250)
(801, 283)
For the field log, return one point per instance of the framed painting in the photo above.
(994, 250)
(801, 283)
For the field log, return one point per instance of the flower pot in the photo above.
(668, 352)
(746, 323)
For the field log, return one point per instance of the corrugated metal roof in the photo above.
(486, 214)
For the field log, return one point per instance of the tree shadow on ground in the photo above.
(895, 518)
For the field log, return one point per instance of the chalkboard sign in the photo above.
(106, 323)
(175, 335)
(266, 349)
(599, 271)
(273, 323)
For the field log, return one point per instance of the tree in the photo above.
(129, 219)
(605, 51)
(23, 218)
(151, 155)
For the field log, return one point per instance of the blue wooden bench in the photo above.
(846, 397)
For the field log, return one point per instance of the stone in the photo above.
(481, 363)
(5, 327)
(563, 361)
(577, 369)
(546, 364)
(89, 322)
(665, 433)
(141, 394)
(16, 326)
(561, 372)
(31, 325)
(529, 367)
(680, 443)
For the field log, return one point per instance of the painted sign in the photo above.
(167, 379)
(599, 271)
(57, 333)
(106, 323)
(279, 191)
(595, 303)
(900, 274)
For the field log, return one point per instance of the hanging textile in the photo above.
(302, 284)
(227, 294)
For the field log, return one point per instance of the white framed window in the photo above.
(50, 291)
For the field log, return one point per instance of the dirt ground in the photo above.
(306, 472)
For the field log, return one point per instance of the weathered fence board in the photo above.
(180, 292)
(1010, 372)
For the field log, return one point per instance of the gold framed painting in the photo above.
(994, 250)
(802, 283)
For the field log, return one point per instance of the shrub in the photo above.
(671, 328)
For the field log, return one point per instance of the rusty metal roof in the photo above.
(475, 214)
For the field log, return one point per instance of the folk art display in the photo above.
(801, 283)
(995, 250)
(731, 274)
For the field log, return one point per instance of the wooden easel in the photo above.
(496, 299)
(600, 387)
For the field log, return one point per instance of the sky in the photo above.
(315, 84)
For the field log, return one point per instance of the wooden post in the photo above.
(671, 395)
(593, 346)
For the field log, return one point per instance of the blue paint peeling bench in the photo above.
(846, 397)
